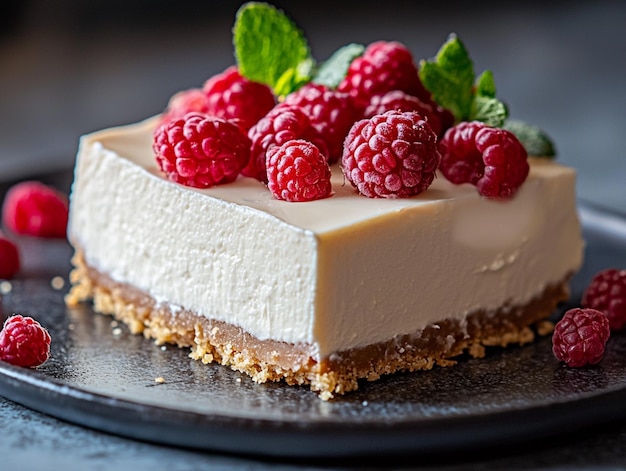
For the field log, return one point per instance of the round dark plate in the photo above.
(102, 377)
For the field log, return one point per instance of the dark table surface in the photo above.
(71, 67)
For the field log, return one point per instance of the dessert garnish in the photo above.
(199, 150)
(297, 171)
(35, 209)
(607, 293)
(491, 158)
(580, 337)
(391, 155)
(24, 342)
(283, 123)
(9, 258)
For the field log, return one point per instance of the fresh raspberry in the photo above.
(384, 66)
(35, 209)
(24, 342)
(9, 258)
(401, 101)
(580, 337)
(283, 123)
(200, 150)
(231, 96)
(607, 293)
(183, 102)
(297, 171)
(492, 159)
(392, 155)
(331, 113)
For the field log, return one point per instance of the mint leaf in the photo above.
(450, 77)
(535, 141)
(333, 71)
(490, 111)
(485, 106)
(486, 85)
(450, 80)
(270, 48)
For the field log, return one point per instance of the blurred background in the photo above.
(70, 67)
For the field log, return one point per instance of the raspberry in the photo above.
(9, 258)
(607, 293)
(199, 150)
(580, 337)
(330, 112)
(283, 123)
(297, 171)
(392, 155)
(24, 342)
(35, 209)
(184, 102)
(384, 66)
(401, 101)
(492, 159)
(231, 96)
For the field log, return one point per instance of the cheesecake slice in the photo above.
(322, 293)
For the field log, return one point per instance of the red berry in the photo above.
(384, 66)
(231, 96)
(492, 159)
(199, 150)
(330, 112)
(283, 123)
(401, 101)
(297, 171)
(9, 258)
(34, 209)
(580, 337)
(392, 155)
(607, 293)
(24, 342)
(183, 102)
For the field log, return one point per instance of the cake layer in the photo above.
(337, 274)
(271, 360)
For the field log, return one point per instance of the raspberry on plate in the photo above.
(230, 96)
(493, 159)
(201, 151)
(330, 112)
(401, 101)
(9, 258)
(392, 155)
(35, 209)
(384, 66)
(607, 293)
(297, 171)
(24, 342)
(283, 123)
(580, 337)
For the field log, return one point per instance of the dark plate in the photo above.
(100, 376)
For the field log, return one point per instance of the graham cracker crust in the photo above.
(269, 360)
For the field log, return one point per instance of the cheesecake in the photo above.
(325, 293)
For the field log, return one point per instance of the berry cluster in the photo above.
(580, 337)
(24, 342)
(350, 123)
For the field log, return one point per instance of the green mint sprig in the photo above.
(450, 78)
(271, 49)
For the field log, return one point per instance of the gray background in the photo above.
(72, 67)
